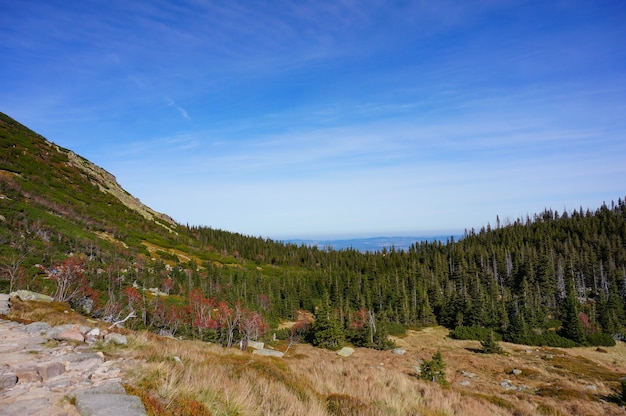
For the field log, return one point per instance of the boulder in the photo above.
(109, 404)
(35, 406)
(27, 374)
(72, 334)
(398, 351)
(345, 352)
(268, 353)
(37, 328)
(50, 369)
(115, 338)
(28, 295)
(256, 345)
(7, 380)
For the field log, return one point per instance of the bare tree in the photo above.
(11, 267)
(70, 280)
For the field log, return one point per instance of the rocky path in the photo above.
(44, 371)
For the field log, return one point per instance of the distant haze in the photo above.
(371, 244)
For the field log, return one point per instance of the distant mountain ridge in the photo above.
(371, 244)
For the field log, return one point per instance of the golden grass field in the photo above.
(176, 377)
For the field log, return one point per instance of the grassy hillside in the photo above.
(175, 377)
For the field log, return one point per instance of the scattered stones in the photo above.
(345, 352)
(506, 384)
(398, 351)
(38, 379)
(467, 374)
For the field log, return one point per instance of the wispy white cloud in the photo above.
(181, 110)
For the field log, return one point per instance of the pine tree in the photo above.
(490, 345)
(572, 328)
(433, 370)
(326, 331)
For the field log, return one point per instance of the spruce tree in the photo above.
(490, 345)
(326, 331)
(572, 328)
(433, 370)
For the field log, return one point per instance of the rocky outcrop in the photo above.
(106, 182)
(62, 378)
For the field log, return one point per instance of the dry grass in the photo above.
(54, 313)
(193, 378)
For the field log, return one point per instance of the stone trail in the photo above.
(63, 378)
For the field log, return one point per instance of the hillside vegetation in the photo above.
(69, 230)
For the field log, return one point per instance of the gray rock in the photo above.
(516, 371)
(506, 384)
(7, 380)
(345, 352)
(95, 332)
(107, 388)
(50, 369)
(115, 338)
(398, 351)
(109, 404)
(27, 374)
(82, 356)
(28, 295)
(36, 406)
(256, 345)
(268, 353)
(72, 334)
(464, 383)
(37, 328)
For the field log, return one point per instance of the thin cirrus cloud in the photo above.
(301, 118)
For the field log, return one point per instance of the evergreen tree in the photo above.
(572, 328)
(433, 370)
(490, 345)
(326, 331)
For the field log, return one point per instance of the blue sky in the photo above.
(330, 119)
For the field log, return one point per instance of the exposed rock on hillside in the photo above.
(106, 182)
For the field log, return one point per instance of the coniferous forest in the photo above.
(554, 278)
